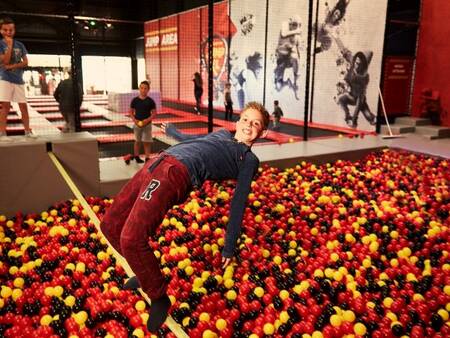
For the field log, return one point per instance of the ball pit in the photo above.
(343, 249)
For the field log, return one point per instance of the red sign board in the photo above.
(397, 84)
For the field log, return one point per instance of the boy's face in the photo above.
(143, 89)
(249, 127)
(8, 30)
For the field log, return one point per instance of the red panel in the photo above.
(169, 57)
(151, 30)
(432, 66)
(223, 29)
(397, 84)
(189, 44)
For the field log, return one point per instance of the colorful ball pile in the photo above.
(343, 249)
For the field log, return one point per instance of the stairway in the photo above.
(418, 126)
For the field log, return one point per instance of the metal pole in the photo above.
(314, 61)
(308, 66)
(210, 63)
(265, 52)
(75, 58)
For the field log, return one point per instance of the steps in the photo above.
(419, 126)
(433, 132)
(398, 129)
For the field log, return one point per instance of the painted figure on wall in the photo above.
(352, 89)
(327, 31)
(244, 77)
(287, 55)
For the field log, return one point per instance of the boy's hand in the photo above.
(225, 262)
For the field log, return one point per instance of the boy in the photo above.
(228, 102)
(13, 59)
(166, 180)
(277, 113)
(142, 110)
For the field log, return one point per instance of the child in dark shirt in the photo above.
(166, 180)
(228, 102)
(277, 113)
(142, 111)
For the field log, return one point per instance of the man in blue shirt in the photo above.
(166, 180)
(13, 59)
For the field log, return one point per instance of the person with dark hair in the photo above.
(353, 91)
(333, 19)
(228, 102)
(277, 114)
(165, 180)
(64, 96)
(198, 91)
(142, 111)
(288, 54)
(13, 59)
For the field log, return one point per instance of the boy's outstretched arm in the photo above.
(238, 203)
(170, 130)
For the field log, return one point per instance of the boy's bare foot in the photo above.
(158, 313)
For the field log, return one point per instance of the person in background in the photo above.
(277, 114)
(64, 96)
(228, 102)
(143, 109)
(198, 91)
(13, 59)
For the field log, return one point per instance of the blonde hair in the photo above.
(259, 107)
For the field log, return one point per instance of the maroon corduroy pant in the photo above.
(138, 210)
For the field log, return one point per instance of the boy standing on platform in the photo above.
(228, 102)
(166, 180)
(277, 113)
(143, 109)
(13, 59)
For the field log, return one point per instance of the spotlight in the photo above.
(92, 23)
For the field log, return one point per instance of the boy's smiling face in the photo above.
(249, 127)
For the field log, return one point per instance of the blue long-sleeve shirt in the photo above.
(218, 156)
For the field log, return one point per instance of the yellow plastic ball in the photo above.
(6, 292)
(335, 320)
(204, 317)
(268, 329)
(58, 291)
(138, 333)
(81, 317)
(259, 291)
(140, 305)
(209, 334)
(360, 329)
(16, 293)
(221, 324)
(69, 301)
(284, 294)
(348, 316)
(46, 320)
(18, 282)
(231, 295)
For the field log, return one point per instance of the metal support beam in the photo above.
(210, 63)
(75, 58)
(308, 66)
